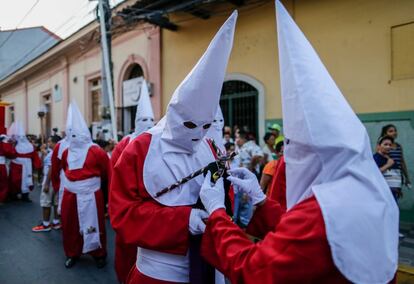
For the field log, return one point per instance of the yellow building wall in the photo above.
(37, 88)
(353, 39)
(16, 98)
(254, 51)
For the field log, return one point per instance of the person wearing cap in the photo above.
(342, 221)
(22, 166)
(166, 228)
(276, 130)
(126, 254)
(86, 173)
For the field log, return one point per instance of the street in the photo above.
(27, 257)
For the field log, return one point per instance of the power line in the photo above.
(20, 22)
(49, 39)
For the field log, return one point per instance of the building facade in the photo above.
(367, 46)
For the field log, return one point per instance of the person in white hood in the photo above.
(162, 227)
(86, 170)
(126, 254)
(57, 173)
(342, 222)
(21, 167)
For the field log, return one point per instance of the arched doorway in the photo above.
(240, 104)
(128, 113)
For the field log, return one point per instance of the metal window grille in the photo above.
(239, 103)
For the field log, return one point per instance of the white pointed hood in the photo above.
(196, 100)
(80, 138)
(216, 130)
(64, 143)
(328, 154)
(197, 97)
(144, 118)
(11, 130)
(17, 132)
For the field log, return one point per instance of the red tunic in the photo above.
(15, 175)
(56, 168)
(125, 255)
(294, 248)
(136, 217)
(96, 165)
(277, 190)
(7, 151)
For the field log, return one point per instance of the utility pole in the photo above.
(103, 8)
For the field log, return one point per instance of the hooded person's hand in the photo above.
(196, 224)
(245, 181)
(212, 195)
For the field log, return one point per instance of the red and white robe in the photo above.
(294, 248)
(57, 172)
(83, 194)
(125, 254)
(7, 151)
(21, 172)
(137, 218)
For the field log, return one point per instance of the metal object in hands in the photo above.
(221, 165)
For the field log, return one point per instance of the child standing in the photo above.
(48, 197)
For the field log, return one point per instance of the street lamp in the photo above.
(41, 113)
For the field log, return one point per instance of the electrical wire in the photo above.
(20, 22)
(49, 39)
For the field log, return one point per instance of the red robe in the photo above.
(294, 249)
(7, 151)
(136, 217)
(96, 165)
(277, 189)
(125, 254)
(56, 168)
(15, 175)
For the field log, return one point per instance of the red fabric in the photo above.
(96, 165)
(136, 217)
(295, 250)
(56, 167)
(72, 239)
(277, 190)
(7, 150)
(15, 174)
(136, 277)
(3, 129)
(119, 148)
(125, 255)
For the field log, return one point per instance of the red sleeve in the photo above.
(56, 167)
(119, 148)
(136, 217)
(37, 163)
(103, 164)
(9, 150)
(278, 185)
(295, 251)
(265, 219)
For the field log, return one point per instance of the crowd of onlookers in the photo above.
(262, 161)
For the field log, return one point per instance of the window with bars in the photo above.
(239, 103)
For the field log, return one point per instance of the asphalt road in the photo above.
(27, 257)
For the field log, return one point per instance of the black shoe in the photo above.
(100, 262)
(70, 262)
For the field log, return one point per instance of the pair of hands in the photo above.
(212, 195)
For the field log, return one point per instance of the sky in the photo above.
(62, 17)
